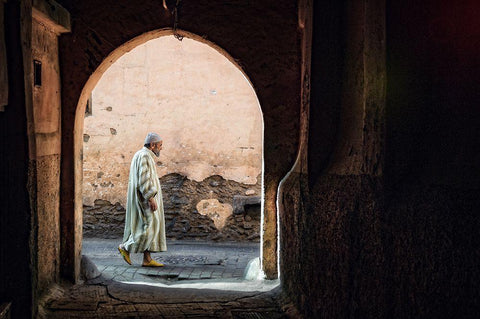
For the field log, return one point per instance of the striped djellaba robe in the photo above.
(144, 228)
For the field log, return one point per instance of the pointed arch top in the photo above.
(135, 42)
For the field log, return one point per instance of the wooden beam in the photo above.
(52, 15)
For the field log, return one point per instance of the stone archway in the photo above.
(272, 60)
(79, 121)
(211, 122)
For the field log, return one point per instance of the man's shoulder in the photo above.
(141, 154)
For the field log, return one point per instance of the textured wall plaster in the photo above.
(198, 101)
(46, 125)
(46, 97)
(217, 211)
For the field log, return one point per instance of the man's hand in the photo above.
(153, 203)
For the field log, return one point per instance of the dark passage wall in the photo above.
(433, 159)
(15, 216)
(404, 243)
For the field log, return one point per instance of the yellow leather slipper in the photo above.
(152, 263)
(125, 254)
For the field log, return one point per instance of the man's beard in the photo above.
(157, 153)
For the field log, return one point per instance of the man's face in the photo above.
(157, 147)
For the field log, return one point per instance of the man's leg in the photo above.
(146, 257)
(125, 254)
(148, 261)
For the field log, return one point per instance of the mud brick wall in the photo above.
(182, 220)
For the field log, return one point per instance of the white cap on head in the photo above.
(152, 138)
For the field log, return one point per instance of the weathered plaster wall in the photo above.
(46, 112)
(198, 101)
(248, 31)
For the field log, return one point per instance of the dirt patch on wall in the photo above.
(182, 219)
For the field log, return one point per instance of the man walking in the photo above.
(144, 222)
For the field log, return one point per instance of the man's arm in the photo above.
(146, 186)
(153, 203)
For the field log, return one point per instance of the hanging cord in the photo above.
(175, 18)
(175, 21)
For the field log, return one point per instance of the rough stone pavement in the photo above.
(184, 261)
(158, 293)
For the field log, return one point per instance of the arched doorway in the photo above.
(230, 171)
(272, 66)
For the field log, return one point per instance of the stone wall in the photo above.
(188, 211)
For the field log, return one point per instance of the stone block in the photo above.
(250, 192)
(101, 202)
(239, 203)
(88, 268)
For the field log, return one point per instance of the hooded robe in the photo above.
(144, 228)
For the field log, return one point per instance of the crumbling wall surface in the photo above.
(183, 219)
(181, 197)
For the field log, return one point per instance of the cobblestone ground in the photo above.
(184, 261)
(157, 293)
